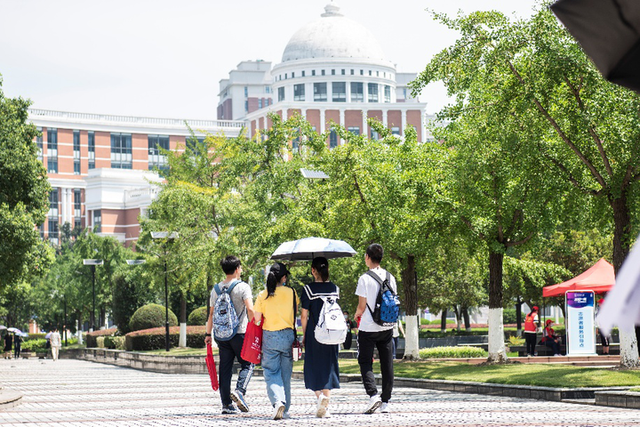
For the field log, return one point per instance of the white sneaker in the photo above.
(286, 416)
(374, 403)
(323, 403)
(278, 411)
(384, 408)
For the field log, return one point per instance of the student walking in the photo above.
(56, 343)
(531, 325)
(372, 335)
(321, 371)
(17, 341)
(278, 305)
(231, 293)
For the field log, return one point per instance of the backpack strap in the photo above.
(377, 278)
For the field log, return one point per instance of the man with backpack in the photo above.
(377, 312)
(231, 309)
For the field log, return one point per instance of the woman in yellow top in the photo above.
(276, 304)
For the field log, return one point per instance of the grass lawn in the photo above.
(180, 351)
(521, 374)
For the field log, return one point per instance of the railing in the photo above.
(196, 123)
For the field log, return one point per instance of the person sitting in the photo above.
(550, 339)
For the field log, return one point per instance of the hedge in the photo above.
(91, 336)
(154, 338)
(36, 345)
(151, 316)
(198, 317)
(114, 343)
(452, 352)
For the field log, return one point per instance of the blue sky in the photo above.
(162, 58)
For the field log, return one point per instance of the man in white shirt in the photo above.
(56, 343)
(372, 335)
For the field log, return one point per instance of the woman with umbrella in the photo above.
(278, 305)
(8, 342)
(321, 370)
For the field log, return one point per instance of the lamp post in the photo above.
(93, 263)
(166, 237)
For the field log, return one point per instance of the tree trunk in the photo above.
(621, 245)
(79, 331)
(182, 342)
(411, 346)
(443, 320)
(467, 322)
(458, 312)
(519, 317)
(497, 352)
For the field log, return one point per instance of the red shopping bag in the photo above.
(252, 345)
(211, 366)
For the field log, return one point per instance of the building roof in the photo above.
(333, 36)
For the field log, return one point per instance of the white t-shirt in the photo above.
(240, 293)
(368, 288)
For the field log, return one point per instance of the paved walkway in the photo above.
(78, 393)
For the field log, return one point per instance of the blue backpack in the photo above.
(225, 318)
(387, 306)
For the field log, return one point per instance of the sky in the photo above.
(158, 58)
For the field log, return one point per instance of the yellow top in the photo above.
(277, 309)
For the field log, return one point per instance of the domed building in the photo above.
(332, 69)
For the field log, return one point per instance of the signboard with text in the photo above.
(580, 323)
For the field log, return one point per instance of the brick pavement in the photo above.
(78, 393)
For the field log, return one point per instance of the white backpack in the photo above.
(331, 328)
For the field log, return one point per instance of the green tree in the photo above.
(24, 190)
(586, 129)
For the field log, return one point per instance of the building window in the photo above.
(54, 230)
(387, 93)
(293, 75)
(77, 223)
(369, 72)
(246, 106)
(303, 73)
(339, 92)
(246, 91)
(354, 130)
(39, 144)
(280, 94)
(259, 103)
(373, 92)
(377, 73)
(333, 72)
(52, 150)
(343, 71)
(76, 167)
(357, 92)
(352, 71)
(53, 204)
(395, 130)
(319, 92)
(298, 92)
(157, 158)
(97, 221)
(362, 72)
(333, 139)
(267, 89)
(313, 72)
(374, 135)
(77, 204)
(322, 72)
(121, 157)
(92, 149)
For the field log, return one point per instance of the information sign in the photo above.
(580, 323)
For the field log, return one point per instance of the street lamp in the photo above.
(166, 237)
(93, 263)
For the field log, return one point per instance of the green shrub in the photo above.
(151, 316)
(452, 352)
(90, 337)
(100, 342)
(114, 343)
(509, 315)
(198, 317)
(154, 338)
(32, 337)
(35, 345)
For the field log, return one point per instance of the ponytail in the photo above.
(272, 282)
(321, 265)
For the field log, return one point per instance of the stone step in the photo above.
(9, 399)
(581, 401)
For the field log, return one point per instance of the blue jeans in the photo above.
(277, 365)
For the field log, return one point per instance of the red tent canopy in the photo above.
(599, 278)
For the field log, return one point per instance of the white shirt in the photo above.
(368, 288)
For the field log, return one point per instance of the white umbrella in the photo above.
(311, 247)
(15, 330)
(23, 334)
(2, 327)
(46, 337)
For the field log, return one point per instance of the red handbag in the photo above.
(252, 345)
(211, 366)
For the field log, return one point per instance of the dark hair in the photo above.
(230, 264)
(375, 252)
(276, 272)
(322, 267)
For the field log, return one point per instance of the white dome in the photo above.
(333, 36)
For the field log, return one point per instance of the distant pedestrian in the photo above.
(397, 330)
(230, 349)
(372, 335)
(8, 343)
(351, 324)
(56, 343)
(604, 339)
(17, 341)
(531, 325)
(321, 371)
(278, 305)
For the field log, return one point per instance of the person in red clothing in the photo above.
(531, 324)
(550, 339)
